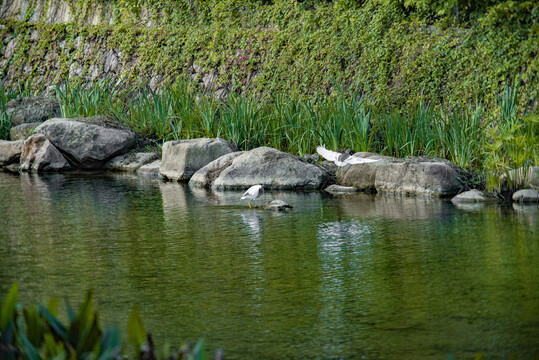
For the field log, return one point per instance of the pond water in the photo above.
(354, 276)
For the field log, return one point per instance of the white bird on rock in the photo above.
(252, 193)
(341, 159)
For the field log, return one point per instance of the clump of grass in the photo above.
(101, 98)
(23, 89)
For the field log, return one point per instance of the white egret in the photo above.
(341, 159)
(252, 193)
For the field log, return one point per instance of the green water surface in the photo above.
(355, 276)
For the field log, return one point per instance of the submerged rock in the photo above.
(40, 155)
(474, 196)
(10, 152)
(404, 177)
(130, 162)
(87, 145)
(183, 158)
(526, 196)
(32, 109)
(277, 205)
(339, 189)
(271, 168)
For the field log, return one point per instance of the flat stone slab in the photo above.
(527, 196)
(271, 168)
(84, 144)
(32, 109)
(183, 158)
(474, 196)
(130, 162)
(10, 151)
(151, 169)
(339, 189)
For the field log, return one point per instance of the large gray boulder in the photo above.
(84, 144)
(10, 152)
(40, 155)
(182, 158)
(32, 109)
(403, 177)
(268, 167)
(421, 178)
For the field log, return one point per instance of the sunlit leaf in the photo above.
(52, 306)
(135, 329)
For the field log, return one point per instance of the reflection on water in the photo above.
(355, 276)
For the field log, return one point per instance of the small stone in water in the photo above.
(276, 205)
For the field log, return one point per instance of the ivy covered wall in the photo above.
(393, 51)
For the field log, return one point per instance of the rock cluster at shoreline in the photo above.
(57, 144)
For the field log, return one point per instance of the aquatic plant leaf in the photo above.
(135, 329)
(89, 337)
(198, 351)
(83, 332)
(34, 325)
(111, 345)
(56, 325)
(70, 313)
(27, 348)
(7, 312)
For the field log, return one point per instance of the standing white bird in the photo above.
(341, 159)
(252, 193)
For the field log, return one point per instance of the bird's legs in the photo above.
(250, 207)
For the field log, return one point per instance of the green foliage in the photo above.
(35, 333)
(397, 52)
(514, 140)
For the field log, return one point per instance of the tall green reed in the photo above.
(101, 98)
(5, 123)
(151, 114)
(339, 121)
(244, 122)
(513, 142)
